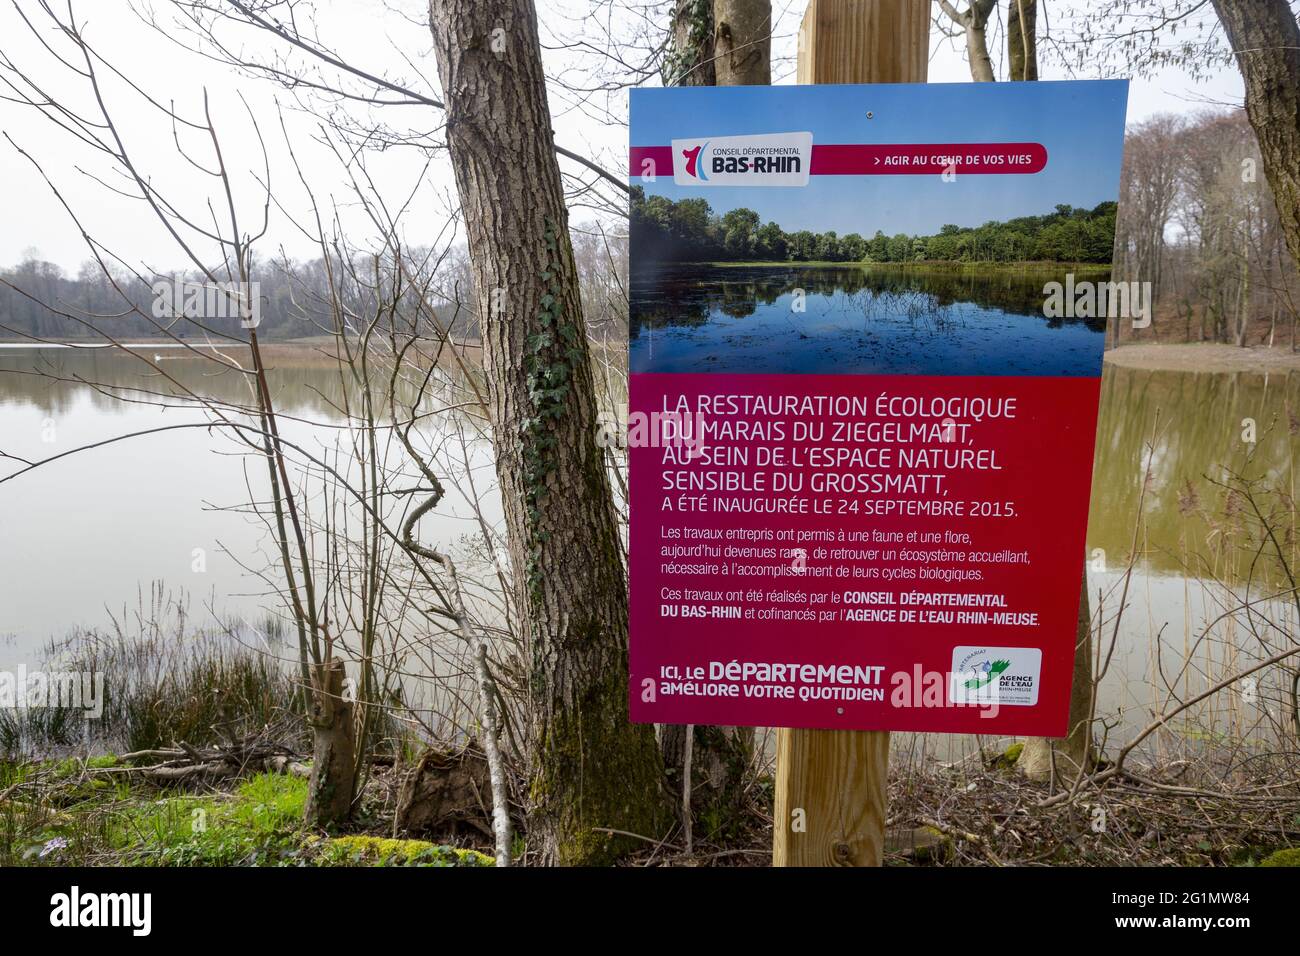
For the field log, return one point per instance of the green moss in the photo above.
(359, 850)
(1289, 857)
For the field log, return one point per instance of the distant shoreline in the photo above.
(1203, 357)
(314, 342)
(943, 265)
(306, 352)
(1169, 356)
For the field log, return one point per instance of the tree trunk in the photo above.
(590, 767)
(333, 771)
(689, 61)
(719, 763)
(1243, 300)
(742, 42)
(741, 46)
(977, 49)
(1022, 39)
(1266, 39)
(1043, 757)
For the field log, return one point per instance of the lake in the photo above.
(87, 535)
(876, 318)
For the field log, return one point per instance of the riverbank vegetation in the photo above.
(1202, 770)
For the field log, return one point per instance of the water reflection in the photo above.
(84, 535)
(1195, 422)
(855, 319)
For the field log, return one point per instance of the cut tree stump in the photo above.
(445, 791)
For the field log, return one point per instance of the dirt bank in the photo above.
(1204, 357)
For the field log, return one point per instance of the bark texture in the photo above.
(1044, 757)
(689, 60)
(590, 768)
(1266, 40)
(1022, 39)
(742, 42)
(333, 771)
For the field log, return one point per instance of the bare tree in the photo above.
(1022, 39)
(1143, 36)
(1149, 186)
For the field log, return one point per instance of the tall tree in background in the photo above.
(742, 42)
(973, 22)
(590, 768)
(1148, 189)
(1022, 39)
(1265, 40)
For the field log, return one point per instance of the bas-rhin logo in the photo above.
(768, 159)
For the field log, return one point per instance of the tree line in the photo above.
(689, 230)
(42, 300)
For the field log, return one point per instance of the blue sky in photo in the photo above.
(1081, 123)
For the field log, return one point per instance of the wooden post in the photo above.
(831, 784)
(864, 41)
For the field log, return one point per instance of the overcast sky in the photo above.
(381, 37)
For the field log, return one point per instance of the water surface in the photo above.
(887, 320)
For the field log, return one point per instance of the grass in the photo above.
(256, 825)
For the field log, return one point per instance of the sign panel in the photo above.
(866, 335)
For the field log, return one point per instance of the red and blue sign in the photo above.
(862, 410)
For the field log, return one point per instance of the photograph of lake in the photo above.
(851, 318)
